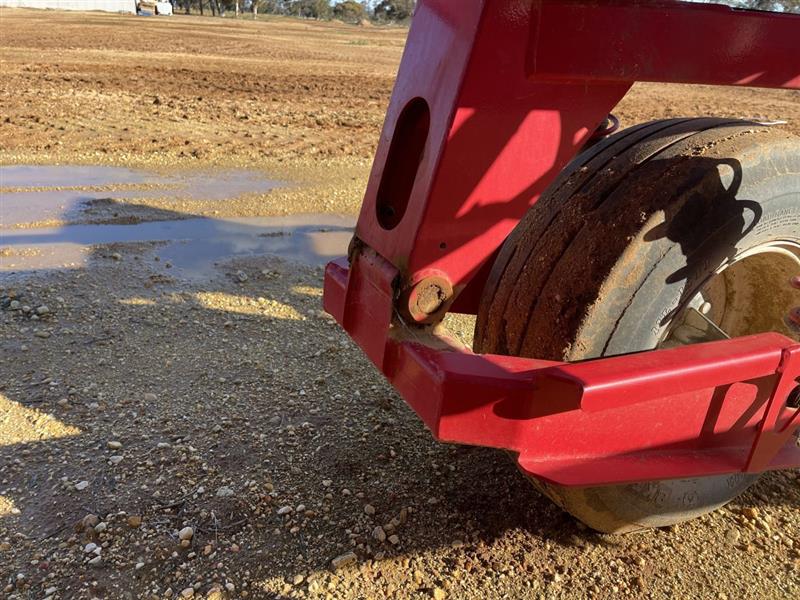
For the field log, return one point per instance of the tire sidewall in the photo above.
(767, 210)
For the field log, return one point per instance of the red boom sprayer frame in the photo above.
(493, 98)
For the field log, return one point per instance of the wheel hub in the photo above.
(750, 294)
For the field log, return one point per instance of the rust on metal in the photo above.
(426, 301)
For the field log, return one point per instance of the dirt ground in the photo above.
(136, 403)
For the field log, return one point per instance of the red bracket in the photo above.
(774, 432)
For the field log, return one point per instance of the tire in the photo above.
(616, 249)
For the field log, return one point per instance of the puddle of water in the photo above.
(46, 203)
(29, 207)
(194, 244)
(61, 176)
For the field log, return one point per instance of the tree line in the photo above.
(384, 11)
(774, 5)
(351, 11)
(791, 6)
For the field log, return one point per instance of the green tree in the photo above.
(792, 6)
(350, 11)
(266, 6)
(775, 5)
(394, 10)
(310, 9)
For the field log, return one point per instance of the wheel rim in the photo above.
(749, 294)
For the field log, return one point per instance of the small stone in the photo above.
(326, 483)
(186, 533)
(150, 397)
(298, 579)
(224, 492)
(230, 587)
(50, 591)
(187, 592)
(96, 561)
(42, 334)
(134, 521)
(15, 305)
(241, 276)
(284, 510)
(42, 310)
(750, 512)
(90, 521)
(369, 509)
(394, 539)
(138, 565)
(344, 560)
(90, 547)
(215, 593)
(116, 256)
(732, 536)
(114, 445)
(100, 527)
(115, 460)
(379, 534)
(81, 485)
(439, 594)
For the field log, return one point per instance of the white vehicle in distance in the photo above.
(153, 7)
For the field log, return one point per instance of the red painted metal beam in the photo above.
(777, 427)
(705, 409)
(496, 138)
(629, 379)
(659, 41)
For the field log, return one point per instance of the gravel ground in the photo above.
(136, 405)
(161, 437)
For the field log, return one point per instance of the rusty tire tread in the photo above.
(548, 231)
(556, 293)
(571, 178)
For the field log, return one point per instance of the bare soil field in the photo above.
(216, 435)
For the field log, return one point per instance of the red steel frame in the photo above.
(493, 98)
